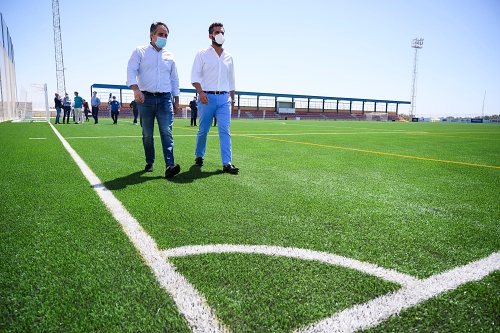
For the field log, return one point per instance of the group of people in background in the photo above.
(66, 105)
(79, 107)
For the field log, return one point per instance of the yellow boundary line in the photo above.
(374, 152)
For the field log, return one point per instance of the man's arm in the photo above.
(201, 93)
(132, 69)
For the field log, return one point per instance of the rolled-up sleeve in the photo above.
(174, 80)
(133, 68)
(231, 78)
(196, 71)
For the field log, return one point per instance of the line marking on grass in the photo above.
(375, 152)
(328, 258)
(188, 300)
(374, 312)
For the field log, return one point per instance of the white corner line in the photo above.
(376, 311)
(304, 254)
(188, 300)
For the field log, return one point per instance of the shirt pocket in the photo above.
(166, 66)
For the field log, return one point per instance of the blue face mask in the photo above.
(161, 42)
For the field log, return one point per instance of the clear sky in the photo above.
(355, 48)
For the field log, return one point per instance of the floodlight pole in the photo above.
(482, 111)
(417, 44)
(61, 81)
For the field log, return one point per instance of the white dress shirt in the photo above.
(153, 71)
(214, 73)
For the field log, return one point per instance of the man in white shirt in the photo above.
(212, 76)
(152, 75)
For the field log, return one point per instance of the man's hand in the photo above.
(203, 97)
(138, 96)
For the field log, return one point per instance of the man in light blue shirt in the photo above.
(212, 76)
(152, 75)
(95, 102)
(67, 108)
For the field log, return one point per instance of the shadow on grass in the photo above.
(194, 172)
(132, 179)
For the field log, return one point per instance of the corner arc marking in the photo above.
(304, 254)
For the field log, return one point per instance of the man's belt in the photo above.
(215, 92)
(155, 93)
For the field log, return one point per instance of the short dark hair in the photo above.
(215, 24)
(154, 27)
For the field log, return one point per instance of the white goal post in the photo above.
(376, 116)
(33, 103)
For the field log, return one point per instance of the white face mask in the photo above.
(219, 39)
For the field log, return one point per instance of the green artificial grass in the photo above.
(66, 264)
(419, 198)
(254, 293)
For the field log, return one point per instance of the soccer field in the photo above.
(329, 227)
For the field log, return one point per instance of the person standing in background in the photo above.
(86, 109)
(95, 102)
(135, 110)
(115, 109)
(194, 111)
(67, 108)
(152, 75)
(78, 100)
(58, 105)
(212, 76)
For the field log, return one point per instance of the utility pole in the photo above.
(417, 44)
(61, 81)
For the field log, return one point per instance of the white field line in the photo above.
(244, 134)
(374, 312)
(188, 300)
(328, 258)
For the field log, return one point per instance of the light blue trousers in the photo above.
(220, 107)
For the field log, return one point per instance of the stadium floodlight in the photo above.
(417, 44)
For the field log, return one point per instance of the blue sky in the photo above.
(357, 48)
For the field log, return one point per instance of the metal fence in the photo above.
(7, 75)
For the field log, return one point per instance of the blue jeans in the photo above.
(58, 114)
(220, 107)
(67, 112)
(161, 108)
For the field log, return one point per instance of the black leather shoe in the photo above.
(198, 161)
(229, 168)
(148, 168)
(172, 170)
